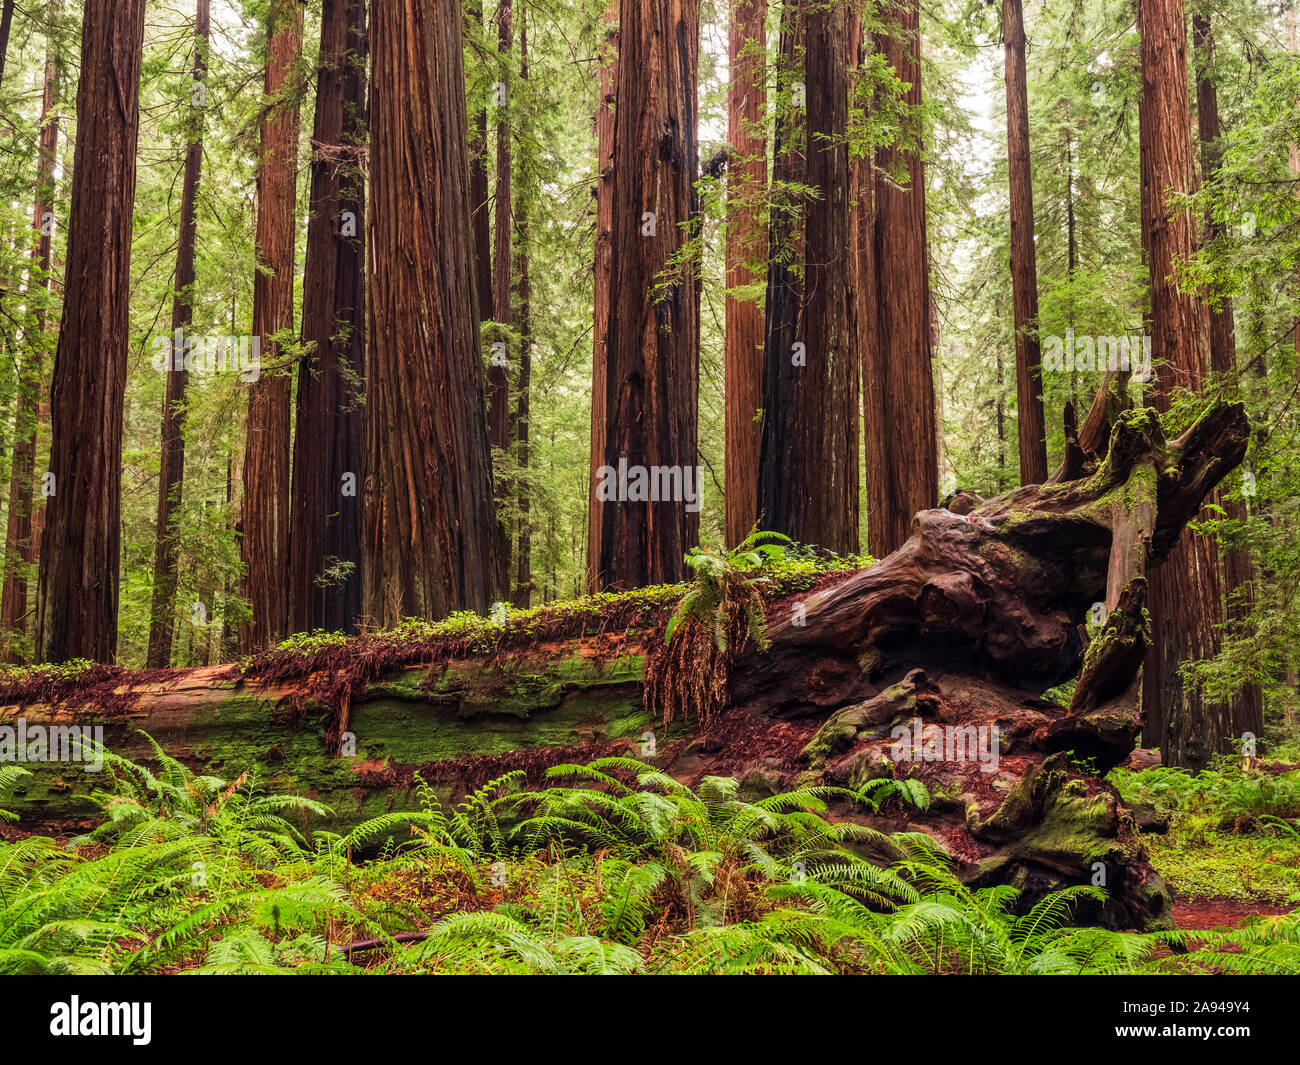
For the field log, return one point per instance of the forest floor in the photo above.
(1225, 840)
(196, 874)
(1195, 915)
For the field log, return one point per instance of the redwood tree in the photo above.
(325, 519)
(1238, 572)
(524, 573)
(1024, 267)
(902, 460)
(602, 264)
(499, 420)
(808, 469)
(77, 593)
(746, 185)
(428, 525)
(1184, 593)
(481, 208)
(171, 475)
(265, 543)
(20, 541)
(650, 387)
(861, 46)
(6, 21)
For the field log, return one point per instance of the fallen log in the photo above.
(942, 663)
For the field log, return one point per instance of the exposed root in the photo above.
(688, 675)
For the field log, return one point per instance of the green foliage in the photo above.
(1231, 796)
(46, 675)
(310, 643)
(1232, 832)
(180, 865)
(765, 565)
(614, 868)
(9, 776)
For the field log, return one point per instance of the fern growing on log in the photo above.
(723, 612)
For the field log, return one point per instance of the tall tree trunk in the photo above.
(6, 21)
(1001, 412)
(429, 527)
(484, 282)
(228, 644)
(171, 476)
(201, 636)
(1184, 591)
(808, 469)
(1238, 572)
(498, 373)
(1293, 45)
(1024, 267)
(652, 336)
(902, 458)
(746, 246)
(325, 516)
(863, 219)
(77, 594)
(524, 574)
(601, 275)
(1071, 240)
(265, 544)
(1071, 248)
(20, 539)
(479, 200)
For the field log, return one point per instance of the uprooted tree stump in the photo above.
(888, 671)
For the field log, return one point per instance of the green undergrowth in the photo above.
(780, 568)
(617, 622)
(38, 678)
(1256, 867)
(612, 867)
(467, 633)
(1232, 832)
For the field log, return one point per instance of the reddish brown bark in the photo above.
(524, 571)
(478, 198)
(863, 220)
(1222, 339)
(524, 574)
(902, 474)
(600, 313)
(808, 469)
(6, 21)
(1024, 267)
(77, 595)
(1238, 572)
(1185, 589)
(652, 337)
(746, 247)
(325, 521)
(498, 375)
(171, 474)
(265, 543)
(20, 538)
(429, 527)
